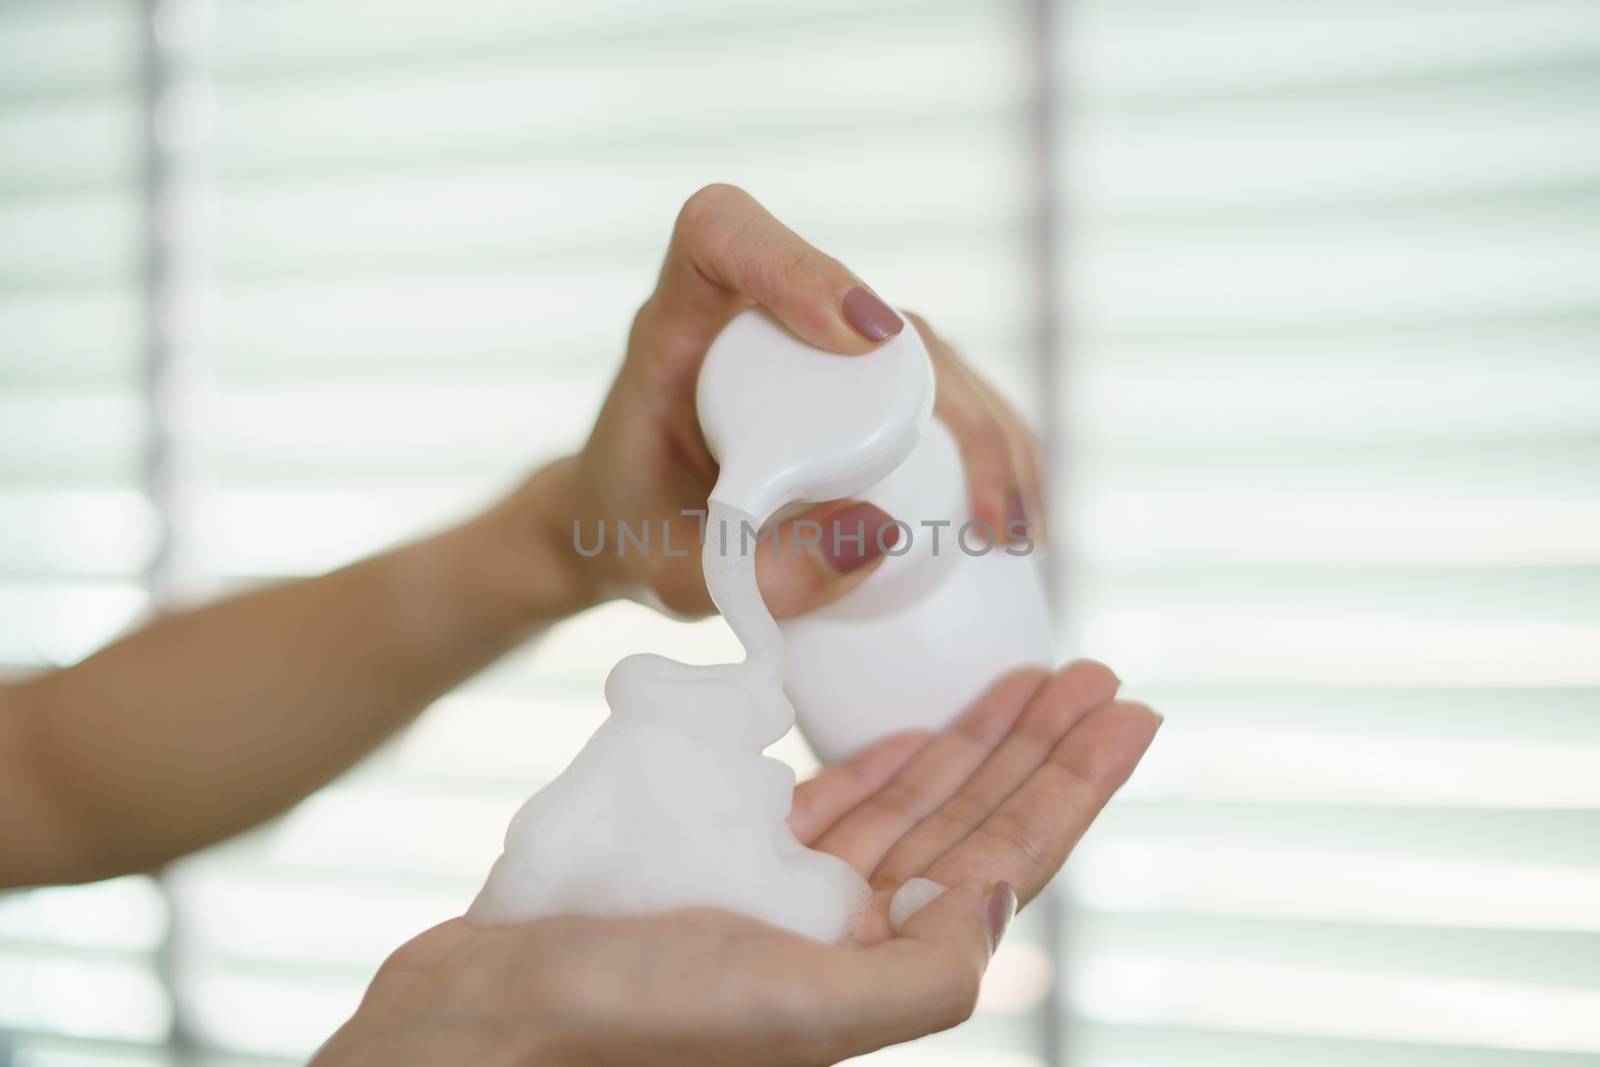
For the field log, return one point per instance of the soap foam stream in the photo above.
(671, 803)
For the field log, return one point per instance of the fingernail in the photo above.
(857, 535)
(871, 317)
(1002, 909)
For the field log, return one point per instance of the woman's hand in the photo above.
(698, 988)
(1003, 793)
(996, 801)
(646, 459)
(244, 707)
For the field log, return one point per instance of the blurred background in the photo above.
(1303, 294)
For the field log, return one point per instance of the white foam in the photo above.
(671, 803)
(911, 898)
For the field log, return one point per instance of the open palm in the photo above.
(1002, 794)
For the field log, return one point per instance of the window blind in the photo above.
(78, 966)
(1324, 425)
(1331, 408)
(413, 248)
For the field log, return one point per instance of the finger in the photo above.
(927, 978)
(1025, 499)
(823, 553)
(727, 251)
(1058, 706)
(980, 436)
(834, 790)
(1028, 837)
(864, 836)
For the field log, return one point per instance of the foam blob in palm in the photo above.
(671, 803)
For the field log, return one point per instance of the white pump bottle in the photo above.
(942, 617)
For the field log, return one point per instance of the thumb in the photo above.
(959, 916)
(727, 252)
(927, 977)
(816, 557)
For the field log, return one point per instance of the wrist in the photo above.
(495, 580)
(527, 540)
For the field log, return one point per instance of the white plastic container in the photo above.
(927, 632)
(939, 620)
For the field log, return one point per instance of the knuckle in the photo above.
(706, 205)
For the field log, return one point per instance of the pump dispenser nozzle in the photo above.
(789, 421)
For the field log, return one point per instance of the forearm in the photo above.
(206, 722)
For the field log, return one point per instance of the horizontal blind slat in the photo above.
(1160, 49)
(301, 36)
(947, 64)
(69, 46)
(1156, 1045)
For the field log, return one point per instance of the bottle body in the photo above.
(930, 630)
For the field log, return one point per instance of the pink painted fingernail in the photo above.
(1002, 909)
(871, 317)
(857, 535)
